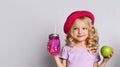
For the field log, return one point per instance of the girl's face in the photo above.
(79, 30)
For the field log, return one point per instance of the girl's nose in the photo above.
(79, 31)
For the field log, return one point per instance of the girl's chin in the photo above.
(81, 39)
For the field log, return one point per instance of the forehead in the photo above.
(80, 22)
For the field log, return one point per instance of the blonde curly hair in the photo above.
(92, 39)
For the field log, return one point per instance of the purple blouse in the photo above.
(78, 57)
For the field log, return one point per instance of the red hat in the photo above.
(77, 14)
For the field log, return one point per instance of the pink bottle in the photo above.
(53, 44)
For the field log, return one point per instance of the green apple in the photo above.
(106, 51)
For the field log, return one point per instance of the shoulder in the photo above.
(67, 47)
(97, 51)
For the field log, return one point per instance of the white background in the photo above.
(26, 24)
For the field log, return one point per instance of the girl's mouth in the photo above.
(80, 35)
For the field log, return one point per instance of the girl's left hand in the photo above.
(105, 59)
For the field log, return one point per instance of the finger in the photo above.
(112, 50)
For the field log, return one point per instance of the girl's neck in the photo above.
(80, 44)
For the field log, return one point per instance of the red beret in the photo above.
(77, 14)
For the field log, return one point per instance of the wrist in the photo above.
(104, 61)
(56, 57)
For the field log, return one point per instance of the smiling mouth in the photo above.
(80, 35)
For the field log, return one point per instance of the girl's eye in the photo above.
(75, 28)
(84, 28)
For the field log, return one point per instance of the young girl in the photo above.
(81, 49)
